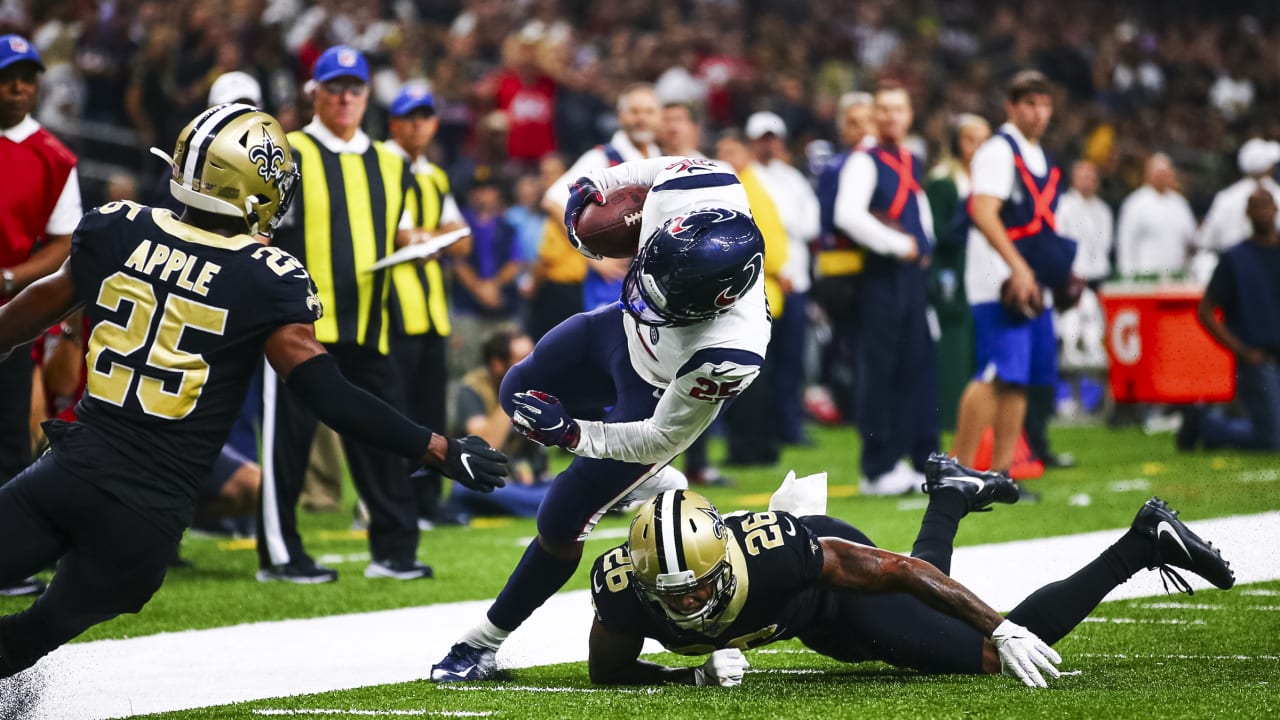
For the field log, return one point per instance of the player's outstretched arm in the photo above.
(859, 567)
(614, 659)
(312, 373)
(40, 306)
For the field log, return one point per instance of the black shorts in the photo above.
(891, 627)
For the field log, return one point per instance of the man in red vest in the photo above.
(39, 207)
(1014, 253)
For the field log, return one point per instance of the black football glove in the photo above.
(471, 461)
(581, 193)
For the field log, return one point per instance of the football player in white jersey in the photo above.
(629, 387)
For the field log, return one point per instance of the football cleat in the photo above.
(298, 573)
(29, 586)
(465, 662)
(398, 570)
(979, 488)
(1176, 545)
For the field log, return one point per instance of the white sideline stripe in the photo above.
(1137, 621)
(1150, 656)
(1261, 591)
(198, 668)
(490, 687)
(377, 713)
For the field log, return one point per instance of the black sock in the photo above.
(936, 540)
(1055, 609)
(538, 576)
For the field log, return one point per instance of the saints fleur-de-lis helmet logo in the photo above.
(267, 156)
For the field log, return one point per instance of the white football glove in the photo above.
(1023, 655)
(724, 668)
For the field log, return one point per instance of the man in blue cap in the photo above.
(420, 324)
(357, 195)
(39, 209)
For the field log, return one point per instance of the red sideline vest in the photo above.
(36, 171)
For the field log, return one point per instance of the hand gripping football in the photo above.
(613, 229)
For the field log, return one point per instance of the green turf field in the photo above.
(1220, 661)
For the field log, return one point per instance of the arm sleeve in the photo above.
(992, 169)
(853, 198)
(354, 413)
(68, 210)
(682, 415)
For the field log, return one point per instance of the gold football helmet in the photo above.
(234, 160)
(679, 550)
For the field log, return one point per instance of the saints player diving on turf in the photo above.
(181, 311)
(701, 583)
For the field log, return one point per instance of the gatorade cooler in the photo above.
(1158, 350)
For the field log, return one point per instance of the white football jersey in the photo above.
(698, 366)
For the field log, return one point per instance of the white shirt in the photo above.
(594, 159)
(993, 173)
(68, 210)
(449, 212)
(798, 208)
(684, 410)
(1153, 233)
(1090, 222)
(853, 215)
(1226, 224)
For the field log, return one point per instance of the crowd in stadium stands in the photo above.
(1193, 79)
(1153, 102)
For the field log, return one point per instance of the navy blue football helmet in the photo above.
(693, 268)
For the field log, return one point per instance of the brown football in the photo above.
(613, 229)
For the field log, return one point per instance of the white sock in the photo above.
(486, 635)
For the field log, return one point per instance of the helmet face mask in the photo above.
(693, 268)
(234, 160)
(679, 550)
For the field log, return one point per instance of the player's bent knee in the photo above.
(562, 549)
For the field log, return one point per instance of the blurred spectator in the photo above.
(798, 208)
(477, 412)
(527, 95)
(1244, 289)
(838, 261)
(1226, 222)
(39, 209)
(638, 121)
(1087, 219)
(1015, 191)
(419, 299)
(751, 421)
(1156, 226)
(948, 188)
(881, 206)
(555, 289)
(485, 293)
(681, 130)
(527, 217)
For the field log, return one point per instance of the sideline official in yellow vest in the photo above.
(356, 195)
(419, 306)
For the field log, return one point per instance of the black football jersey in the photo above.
(178, 319)
(776, 564)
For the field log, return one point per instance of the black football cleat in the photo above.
(1176, 545)
(979, 488)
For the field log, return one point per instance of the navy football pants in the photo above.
(584, 362)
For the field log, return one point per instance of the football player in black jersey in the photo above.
(701, 584)
(181, 311)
